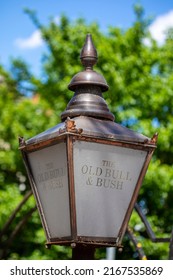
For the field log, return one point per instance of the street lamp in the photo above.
(86, 172)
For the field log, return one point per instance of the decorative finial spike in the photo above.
(88, 53)
(154, 138)
(21, 141)
(88, 86)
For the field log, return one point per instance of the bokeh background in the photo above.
(40, 43)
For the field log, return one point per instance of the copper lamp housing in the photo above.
(86, 172)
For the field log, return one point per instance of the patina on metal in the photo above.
(87, 119)
(88, 86)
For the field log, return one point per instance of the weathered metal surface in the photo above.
(88, 58)
(90, 241)
(88, 86)
(46, 135)
(135, 195)
(70, 126)
(87, 112)
(87, 104)
(71, 187)
(91, 127)
(88, 119)
(108, 130)
(88, 53)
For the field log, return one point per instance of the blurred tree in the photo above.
(139, 74)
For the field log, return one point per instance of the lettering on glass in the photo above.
(49, 177)
(107, 175)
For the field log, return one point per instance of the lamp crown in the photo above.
(88, 86)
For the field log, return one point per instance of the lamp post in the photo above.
(86, 172)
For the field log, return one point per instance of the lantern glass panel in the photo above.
(105, 179)
(49, 169)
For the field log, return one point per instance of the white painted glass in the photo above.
(105, 180)
(49, 168)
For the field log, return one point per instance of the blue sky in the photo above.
(20, 38)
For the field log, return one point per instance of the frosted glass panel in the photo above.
(105, 179)
(49, 168)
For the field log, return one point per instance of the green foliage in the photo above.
(141, 97)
